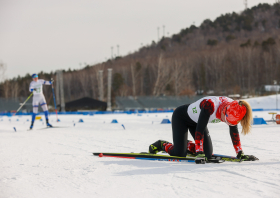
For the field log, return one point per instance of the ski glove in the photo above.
(241, 155)
(33, 89)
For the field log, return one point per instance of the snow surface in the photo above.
(58, 162)
(265, 102)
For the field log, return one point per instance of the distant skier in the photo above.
(36, 86)
(195, 117)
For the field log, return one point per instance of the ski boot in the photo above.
(191, 149)
(48, 124)
(200, 158)
(201, 154)
(157, 146)
(31, 126)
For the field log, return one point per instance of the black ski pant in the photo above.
(181, 124)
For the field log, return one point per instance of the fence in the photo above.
(149, 103)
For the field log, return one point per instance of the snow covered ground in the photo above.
(265, 102)
(58, 162)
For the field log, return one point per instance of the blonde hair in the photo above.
(247, 120)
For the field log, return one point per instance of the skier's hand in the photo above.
(33, 89)
(241, 155)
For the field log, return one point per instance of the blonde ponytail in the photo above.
(247, 120)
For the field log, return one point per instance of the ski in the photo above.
(233, 159)
(222, 157)
(148, 156)
(47, 128)
(227, 158)
(51, 127)
(156, 159)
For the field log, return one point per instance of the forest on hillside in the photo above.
(237, 53)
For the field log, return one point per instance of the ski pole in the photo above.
(54, 101)
(23, 103)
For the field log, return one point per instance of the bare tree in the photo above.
(94, 82)
(6, 83)
(83, 77)
(6, 87)
(3, 68)
(267, 65)
(15, 89)
(159, 76)
(67, 79)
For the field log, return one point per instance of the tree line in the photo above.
(234, 54)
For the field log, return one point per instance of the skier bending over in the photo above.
(36, 86)
(195, 117)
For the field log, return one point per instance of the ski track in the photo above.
(58, 162)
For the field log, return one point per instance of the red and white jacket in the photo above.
(211, 108)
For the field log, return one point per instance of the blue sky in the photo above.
(47, 35)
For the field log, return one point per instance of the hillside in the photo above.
(235, 53)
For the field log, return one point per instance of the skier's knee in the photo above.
(45, 107)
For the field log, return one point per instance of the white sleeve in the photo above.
(45, 82)
(31, 86)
